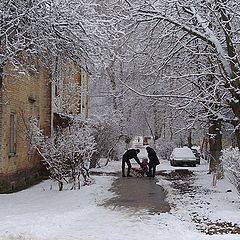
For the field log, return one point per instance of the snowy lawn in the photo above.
(43, 213)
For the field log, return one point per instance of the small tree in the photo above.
(54, 156)
(107, 134)
(67, 154)
(80, 146)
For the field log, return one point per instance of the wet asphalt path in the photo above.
(138, 193)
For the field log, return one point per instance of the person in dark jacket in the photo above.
(129, 154)
(153, 162)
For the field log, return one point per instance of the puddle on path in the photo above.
(139, 194)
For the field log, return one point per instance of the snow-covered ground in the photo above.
(43, 213)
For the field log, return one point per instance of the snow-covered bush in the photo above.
(231, 164)
(67, 153)
(74, 149)
(54, 155)
(81, 146)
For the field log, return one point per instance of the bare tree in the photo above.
(188, 52)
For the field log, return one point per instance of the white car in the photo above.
(182, 156)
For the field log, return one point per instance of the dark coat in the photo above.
(131, 153)
(152, 156)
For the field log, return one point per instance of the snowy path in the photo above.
(139, 194)
(43, 213)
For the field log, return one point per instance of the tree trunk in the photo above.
(94, 160)
(205, 148)
(78, 181)
(189, 138)
(234, 85)
(60, 185)
(151, 130)
(236, 122)
(237, 134)
(1, 76)
(158, 123)
(215, 145)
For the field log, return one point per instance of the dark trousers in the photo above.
(152, 171)
(126, 161)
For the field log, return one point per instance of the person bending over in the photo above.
(129, 154)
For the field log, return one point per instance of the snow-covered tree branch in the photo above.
(67, 154)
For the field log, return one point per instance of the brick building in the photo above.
(42, 95)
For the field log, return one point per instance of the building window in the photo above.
(12, 140)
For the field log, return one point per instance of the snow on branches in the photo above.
(231, 163)
(67, 153)
(34, 134)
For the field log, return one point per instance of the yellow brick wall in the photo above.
(29, 95)
(20, 88)
(84, 94)
(72, 75)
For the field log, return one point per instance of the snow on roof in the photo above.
(183, 152)
(196, 147)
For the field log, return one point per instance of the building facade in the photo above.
(43, 95)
